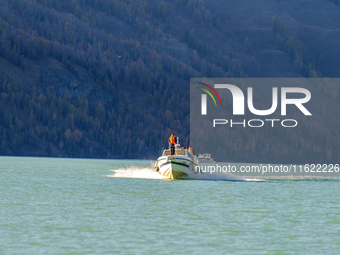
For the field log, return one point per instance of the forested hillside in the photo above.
(110, 78)
(95, 94)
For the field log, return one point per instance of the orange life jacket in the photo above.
(172, 139)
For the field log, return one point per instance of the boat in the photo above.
(178, 166)
(205, 158)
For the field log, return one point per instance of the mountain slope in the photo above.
(110, 78)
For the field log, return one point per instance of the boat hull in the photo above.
(175, 167)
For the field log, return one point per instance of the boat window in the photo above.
(166, 153)
(181, 152)
(178, 152)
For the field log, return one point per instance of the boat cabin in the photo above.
(177, 152)
(180, 152)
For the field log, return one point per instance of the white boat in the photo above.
(205, 158)
(178, 166)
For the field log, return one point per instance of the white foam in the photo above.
(150, 173)
(137, 172)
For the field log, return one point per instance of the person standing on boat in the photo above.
(172, 141)
(191, 149)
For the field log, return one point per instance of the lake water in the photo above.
(79, 206)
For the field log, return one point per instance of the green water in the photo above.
(77, 206)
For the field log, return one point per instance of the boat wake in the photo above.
(136, 172)
(150, 173)
(221, 177)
